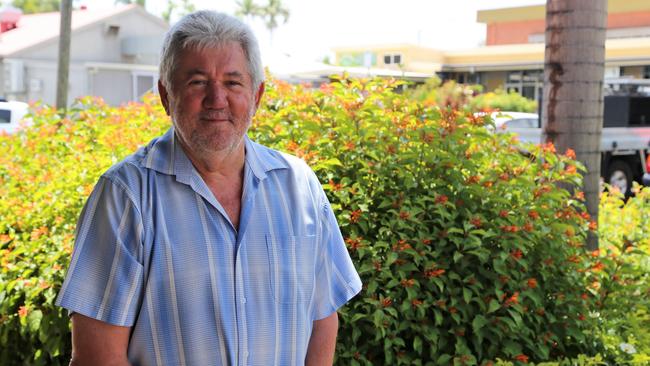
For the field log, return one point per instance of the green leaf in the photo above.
(34, 320)
(467, 295)
(478, 323)
(494, 306)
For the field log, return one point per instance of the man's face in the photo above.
(213, 99)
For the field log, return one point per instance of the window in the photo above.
(393, 59)
(5, 116)
(143, 82)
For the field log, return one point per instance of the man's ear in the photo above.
(164, 96)
(258, 95)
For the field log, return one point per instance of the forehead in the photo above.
(225, 58)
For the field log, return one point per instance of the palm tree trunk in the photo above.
(574, 68)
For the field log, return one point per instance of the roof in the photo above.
(36, 29)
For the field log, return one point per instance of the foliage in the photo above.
(177, 9)
(504, 101)
(270, 13)
(36, 6)
(466, 248)
(461, 96)
(46, 173)
(624, 291)
(448, 94)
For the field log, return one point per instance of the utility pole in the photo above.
(64, 55)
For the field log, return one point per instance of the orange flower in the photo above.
(407, 283)
(580, 195)
(570, 153)
(353, 244)
(532, 283)
(404, 215)
(521, 358)
(533, 214)
(434, 273)
(386, 302)
(23, 311)
(528, 227)
(415, 303)
(355, 215)
(599, 266)
(514, 299)
(571, 169)
(442, 199)
(593, 226)
(516, 254)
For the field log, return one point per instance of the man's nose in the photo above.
(215, 96)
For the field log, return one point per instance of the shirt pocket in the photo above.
(291, 267)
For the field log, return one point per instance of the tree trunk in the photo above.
(64, 55)
(574, 68)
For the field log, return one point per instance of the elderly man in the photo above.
(205, 248)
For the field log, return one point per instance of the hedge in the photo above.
(467, 249)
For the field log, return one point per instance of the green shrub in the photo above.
(46, 174)
(460, 96)
(503, 101)
(467, 250)
(624, 292)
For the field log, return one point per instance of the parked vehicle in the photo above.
(11, 115)
(625, 138)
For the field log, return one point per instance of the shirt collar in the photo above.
(165, 155)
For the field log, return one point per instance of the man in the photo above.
(204, 248)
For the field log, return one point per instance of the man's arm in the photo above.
(98, 343)
(323, 341)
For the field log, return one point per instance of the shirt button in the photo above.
(243, 300)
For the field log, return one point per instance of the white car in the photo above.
(11, 114)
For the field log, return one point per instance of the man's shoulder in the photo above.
(133, 166)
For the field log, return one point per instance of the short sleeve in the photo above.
(105, 277)
(337, 280)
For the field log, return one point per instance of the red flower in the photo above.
(404, 215)
(434, 273)
(476, 221)
(407, 283)
(416, 303)
(514, 299)
(503, 213)
(516, 254)
(442, 199)
(570, 153)
(593, 226)
(532, 283)
(533, 214)
(386, 302)
(355, 215)
(521, 358)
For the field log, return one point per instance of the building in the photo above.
(113, 54)
(513, 57)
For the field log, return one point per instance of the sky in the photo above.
(315, 27)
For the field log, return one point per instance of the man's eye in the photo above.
(234, 83)
(197, 82)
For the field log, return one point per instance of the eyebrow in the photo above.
(232, 74)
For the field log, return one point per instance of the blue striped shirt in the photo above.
(155, 251)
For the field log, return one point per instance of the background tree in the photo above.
(36, 6)
(142, 3)
(272, 12)
(574, 69)
(247, 10)
(177, 9)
